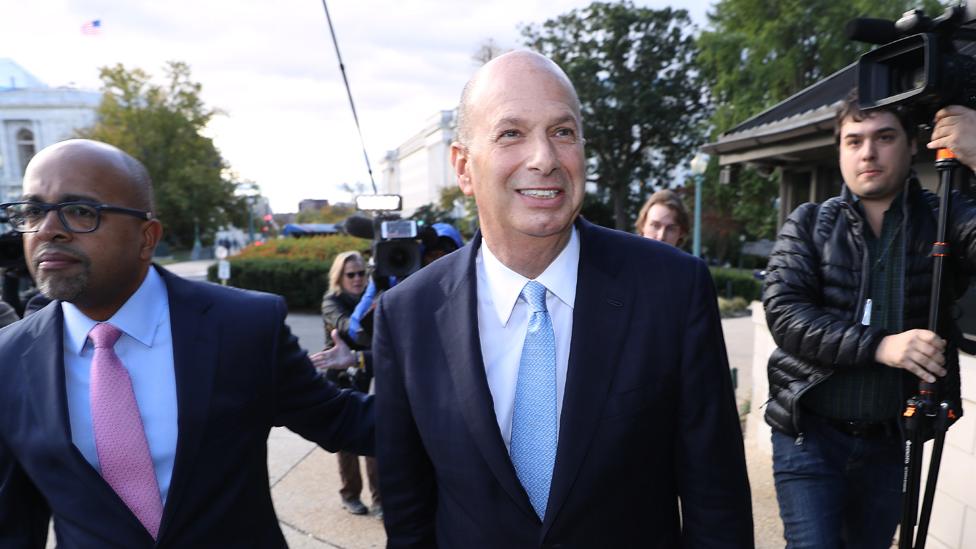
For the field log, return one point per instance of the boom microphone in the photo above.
(871, 30)
(358, 226)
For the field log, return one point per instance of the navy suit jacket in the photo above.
(239, 371)
(650, 450)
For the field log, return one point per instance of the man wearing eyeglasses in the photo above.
(135, 407)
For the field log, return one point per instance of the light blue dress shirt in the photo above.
(146, 350)
(503, 320)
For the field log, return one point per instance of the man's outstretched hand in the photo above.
(339, 357)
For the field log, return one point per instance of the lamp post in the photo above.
(250, 220)
(197, 252)
(250, 191)
(698, 165)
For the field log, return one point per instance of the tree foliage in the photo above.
(452, 207)
(755, 54)
(161, 125)
(642, 102)
(331, 213)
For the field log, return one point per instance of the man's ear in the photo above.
(152, 232)
(459, 159)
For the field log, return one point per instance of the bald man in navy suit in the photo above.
(553, 383)
(211, 369)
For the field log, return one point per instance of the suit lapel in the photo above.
(601, 313)
(195, 348)
(43, 363)
(457, 322)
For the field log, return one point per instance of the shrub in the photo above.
(294, 268)
(732, 307)
(318, 248)
(736, 283)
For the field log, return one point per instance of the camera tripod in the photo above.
(924, 412)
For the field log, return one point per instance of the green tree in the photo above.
(643, 105)
(756, 53)
(161, 125)
(332, 213)
(452, 207)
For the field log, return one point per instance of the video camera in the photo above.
(13, 266)
(12, 252)
(400, 246)
(917, 64)
(395, 249)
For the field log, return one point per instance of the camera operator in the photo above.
(846, 300)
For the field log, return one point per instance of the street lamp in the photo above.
(250, 191)
(698, 165)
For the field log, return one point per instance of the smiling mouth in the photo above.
(540, 193)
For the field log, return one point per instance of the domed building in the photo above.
(33, 116)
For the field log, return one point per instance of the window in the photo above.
(26, 148)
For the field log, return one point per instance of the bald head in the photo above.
(87, 152)
(498, 71)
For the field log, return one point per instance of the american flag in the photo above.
(92, 27)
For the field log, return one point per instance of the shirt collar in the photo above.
(505, 285)
(138, 318)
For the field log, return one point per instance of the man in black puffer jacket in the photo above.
(847, 297)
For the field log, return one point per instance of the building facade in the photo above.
(33, 116)
(420, 167)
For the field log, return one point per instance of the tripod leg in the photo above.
(941, 426)
(912, 476)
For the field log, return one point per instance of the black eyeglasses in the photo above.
(354, 274)
(77, 217)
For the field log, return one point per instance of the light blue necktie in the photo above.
(534, 418)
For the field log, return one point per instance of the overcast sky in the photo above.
(271, 67)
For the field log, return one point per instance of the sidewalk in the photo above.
(305, 479)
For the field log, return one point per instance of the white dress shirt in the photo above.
(503, 320)
(146, 350)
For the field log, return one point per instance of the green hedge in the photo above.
(294, 268)
(300, 282)
(738, 282)
(321, 248)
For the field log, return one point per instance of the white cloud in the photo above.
(272, 68)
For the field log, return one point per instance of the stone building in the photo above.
(33, 116)
(420, 167)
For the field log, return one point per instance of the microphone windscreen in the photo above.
(358, 226)
(872, 31)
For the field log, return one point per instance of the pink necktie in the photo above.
(120, 438)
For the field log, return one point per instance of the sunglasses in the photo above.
(355, 274)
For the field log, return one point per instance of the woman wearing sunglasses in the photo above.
(347, 282)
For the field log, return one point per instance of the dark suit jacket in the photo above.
(239, 371)
(650, 451)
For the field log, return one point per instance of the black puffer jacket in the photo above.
(816, 286)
